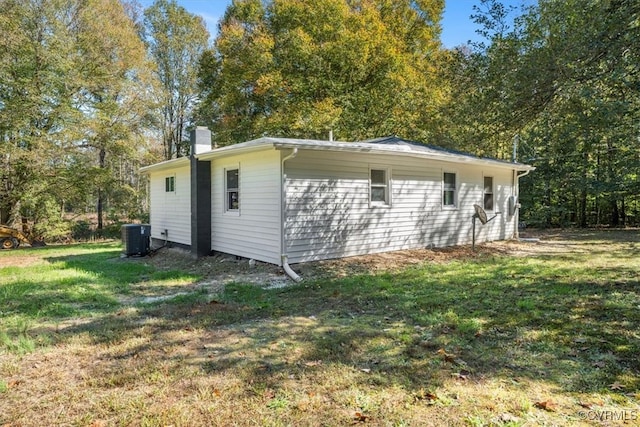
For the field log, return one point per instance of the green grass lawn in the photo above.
(494, 339)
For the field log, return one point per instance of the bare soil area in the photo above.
(220, 269)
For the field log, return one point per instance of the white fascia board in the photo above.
(232, 150)
(355, 147)
(167, 164)
(266, 143)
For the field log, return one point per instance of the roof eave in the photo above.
(167, 164)
(454, 158)
(232, 150)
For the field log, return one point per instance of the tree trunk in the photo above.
(103, 154)
(583, 208)
(547, 202)
(4, 213)
(615, 216)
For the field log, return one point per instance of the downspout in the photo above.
(517, 195)
(284, 257)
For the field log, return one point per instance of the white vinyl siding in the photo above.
(328, 212)
(253, 230)
(170, 201)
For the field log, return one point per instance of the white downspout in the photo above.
(284, 257)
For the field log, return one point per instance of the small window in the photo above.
(170, 184)
(379, 187)
(488, 193)
(449, 189)
(232, 188)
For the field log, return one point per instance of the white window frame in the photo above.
(228, 209)
(455, 190)
(170, 184)
(386, 186)
(493, 193)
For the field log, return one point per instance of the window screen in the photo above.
(488, 193)
(232, 190)
(379, 187)
(449, 189)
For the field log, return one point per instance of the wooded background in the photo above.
(91, 90)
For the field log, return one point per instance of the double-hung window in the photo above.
(170, 184)
(379, 186)
(232, 190)
(488, 193)
(449, 189)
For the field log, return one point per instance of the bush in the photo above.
(81, 230)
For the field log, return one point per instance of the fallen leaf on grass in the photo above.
(447, 357)
(616, 386)
(425, 395)
(313, 363)
(547, 405)
(13, 383)
(269, 394)
(587, 405)
(359, 417)
(462, 375)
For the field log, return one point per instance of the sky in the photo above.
(457, 27)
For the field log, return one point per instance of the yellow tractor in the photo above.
(10, 238)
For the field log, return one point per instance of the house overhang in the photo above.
(338, 146)
(355, 147)
(167, 164)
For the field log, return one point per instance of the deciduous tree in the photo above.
(176, 40)
(302, 68)
(565, 79)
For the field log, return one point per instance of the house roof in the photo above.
(390, 145)
(393, 145)
(167, 164)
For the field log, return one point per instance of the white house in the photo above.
(282, 200)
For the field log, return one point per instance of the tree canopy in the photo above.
(565, 81)
(302, 68)
(71, 78)
(92, 89)
(176, 40)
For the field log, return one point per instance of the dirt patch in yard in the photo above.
(217, 270)
(220, 269)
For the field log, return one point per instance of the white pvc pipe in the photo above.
(289, 270)
(284, 257)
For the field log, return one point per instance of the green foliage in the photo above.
(175, 40)
(72, 82)
(16, 339)
(565, 80)
(302, 68)
(81, 230)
